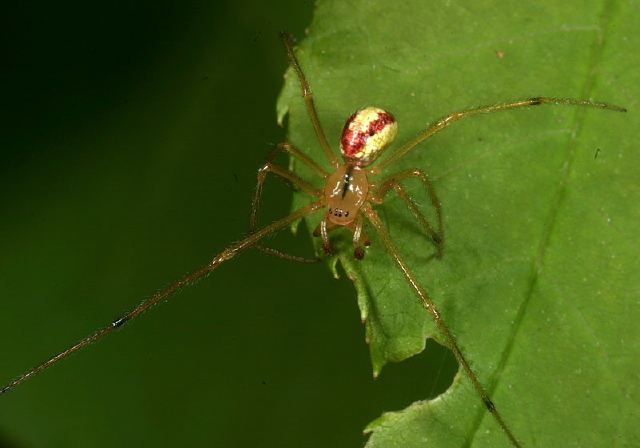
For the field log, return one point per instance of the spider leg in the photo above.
(445, 121)
(307, 95)
(268, 167)
(225, 255)
(393, 181)
(295, 152)
(428, 305)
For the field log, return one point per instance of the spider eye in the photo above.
(366, 134)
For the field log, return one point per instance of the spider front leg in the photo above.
(268, 167)
(431, 308)
(393, 181)
(307, 95)
(227, 254)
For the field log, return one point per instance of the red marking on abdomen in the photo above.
(354, 140)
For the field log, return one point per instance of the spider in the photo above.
(352, 189)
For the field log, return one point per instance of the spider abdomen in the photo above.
(366, 134)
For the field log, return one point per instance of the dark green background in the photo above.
(131, 135)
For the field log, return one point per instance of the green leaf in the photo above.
(539, 279)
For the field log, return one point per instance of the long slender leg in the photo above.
(435, 314)
(307, 95)
(285, 174)
(225, 255)
(447, 120)
(288, 147)
(393, 181)
(269, 166)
